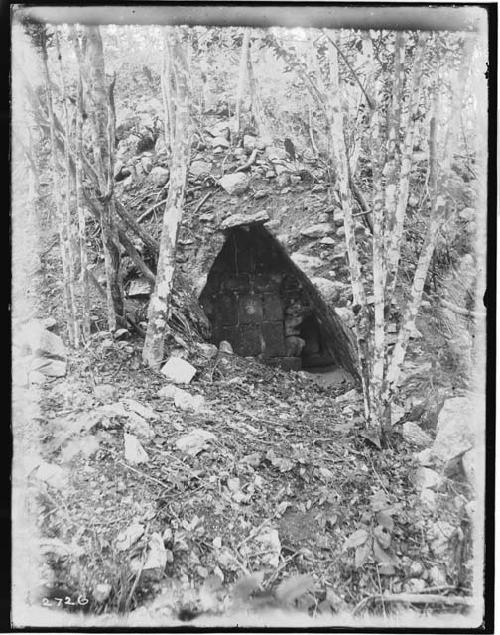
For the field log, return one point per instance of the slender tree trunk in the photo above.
(255, 100)
(378, 410)
(94, 205)
(160, 304)
(82, 230)
(205, 92)
(438, 180)
(67, 204)
(242, 77)
(393, 154)
(63, 236)
(336, 129)
(396, 229)
(103, 163)
(166, 93)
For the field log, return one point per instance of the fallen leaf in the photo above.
(194, 442)
(378, 501)
(354, 540)
(382, 556)
(362, 553)
(129, 536)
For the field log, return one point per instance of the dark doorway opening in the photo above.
(264, 306)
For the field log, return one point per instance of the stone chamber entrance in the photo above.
(258, 300)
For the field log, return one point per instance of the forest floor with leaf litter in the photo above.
(282, 485)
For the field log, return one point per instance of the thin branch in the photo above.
(202, 202)
(371, 105)
(150, 210)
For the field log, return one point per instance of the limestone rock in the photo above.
(236, 183)
(52, 474)
(182, 399)
(439, 535)
(327, 240)
(425, 478)
(425, 457)
(243, 219)
(143, 411)
(194, 442)
(274, 153)
(349, 396)
(308, 264)
(138, 287)
(225, 347)
(160, 145)
(397, 413)
(178, 370)
(220, 142)
(35, 339)
(129, 536)
(346, 314)
(457, 422)
(159, 176)
(207, 350)
(467, 214)
(156, 558)
(197, 168)
(283, 176)
(320, 230)
(220, 129)
(249, 142)
(413, 433)
(134, 452)
(328, 288)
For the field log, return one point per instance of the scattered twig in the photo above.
(369, 211)
(151, 478)
(201, 203)
(379, 479)
(252, 534)
(286, 562)
(150, 210)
